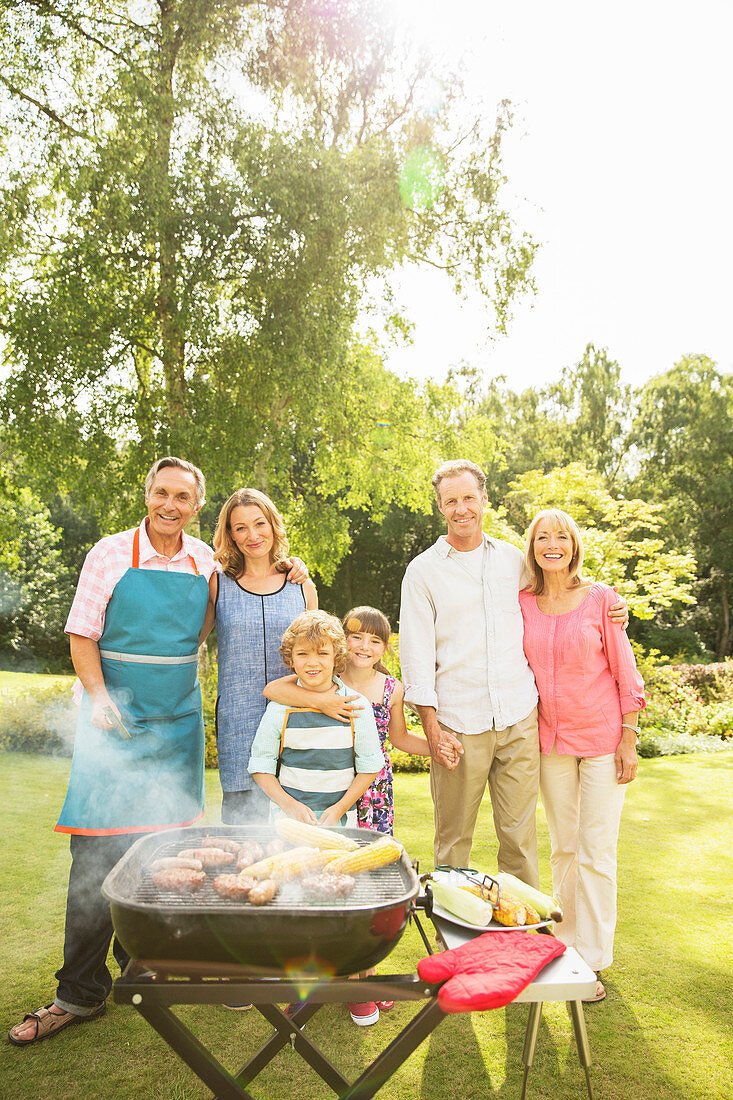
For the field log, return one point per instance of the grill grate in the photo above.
(383, 885)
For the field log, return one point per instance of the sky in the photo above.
(619, 164)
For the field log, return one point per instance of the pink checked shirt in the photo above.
(585, 672)
(110, 558)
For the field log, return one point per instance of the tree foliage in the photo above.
(623, 539)
(35, 585)
(203, 190)
(684, 436)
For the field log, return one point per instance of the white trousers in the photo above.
(583, 804)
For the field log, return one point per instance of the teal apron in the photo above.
(149, 655)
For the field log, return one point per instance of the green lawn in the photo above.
(664, 1032)
(14, 682)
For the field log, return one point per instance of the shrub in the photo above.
(655, 742)
(208, 679)
(42, 720)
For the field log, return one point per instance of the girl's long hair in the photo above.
(227, 552)
(368, 620)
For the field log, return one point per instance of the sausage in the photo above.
(263, 892)
(211, 858)
(179, 880)
(223, 843)
(275, 847)
(253, 848)
(233, 887)
(250, 852)
(176, 861)
(327, 887)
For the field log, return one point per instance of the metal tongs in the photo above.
(489, 888)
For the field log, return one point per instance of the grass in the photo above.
(14, 682)
(664, 1032)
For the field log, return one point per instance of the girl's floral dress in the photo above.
(375, 808)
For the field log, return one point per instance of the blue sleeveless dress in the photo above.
(249, 629)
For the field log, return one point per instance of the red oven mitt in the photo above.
(490, 971)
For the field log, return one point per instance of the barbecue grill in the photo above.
(287, 934)
(286, 951)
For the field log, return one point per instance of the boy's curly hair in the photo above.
(314, 627)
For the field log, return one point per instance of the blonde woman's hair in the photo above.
(368, 620)
(313, 628)
(566, 523)
(226, 550)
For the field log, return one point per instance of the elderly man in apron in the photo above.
(141, 609)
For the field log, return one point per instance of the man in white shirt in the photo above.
(465, 672)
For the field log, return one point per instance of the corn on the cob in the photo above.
(543, 904)
(298, 832)
(531, 914)
(291, 864)
(368, 858)
(510, 911)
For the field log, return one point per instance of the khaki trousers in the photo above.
(508, 760)
(583, 804)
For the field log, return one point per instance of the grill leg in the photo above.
(189, 1049)
(308, 1051)
(398, 1051)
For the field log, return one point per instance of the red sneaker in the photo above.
(384, 1006)
(364, 1014)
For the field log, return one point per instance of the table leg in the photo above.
(530, 1041)
(581, 1039)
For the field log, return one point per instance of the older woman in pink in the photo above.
(590, 695)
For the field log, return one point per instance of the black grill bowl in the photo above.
(288, 936)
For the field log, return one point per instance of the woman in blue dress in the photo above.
(255, 604)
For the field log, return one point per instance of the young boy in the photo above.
(315, 768)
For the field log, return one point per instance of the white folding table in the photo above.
(566, 978)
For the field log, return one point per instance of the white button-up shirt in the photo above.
(461, 637)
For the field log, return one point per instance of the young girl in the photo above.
(367, 636)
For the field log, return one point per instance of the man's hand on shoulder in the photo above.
(298, 572)
(619, 612)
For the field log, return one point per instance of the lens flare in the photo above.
(421, 178)
(301, 970)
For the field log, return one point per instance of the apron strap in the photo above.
(136, 553)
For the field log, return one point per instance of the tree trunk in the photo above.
(724, 636)
(173, 350)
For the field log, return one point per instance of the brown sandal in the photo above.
(600, 994)
(49, 1024)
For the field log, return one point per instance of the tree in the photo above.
(204, 189)
(585, 417)
(35, 585)
(684, 435)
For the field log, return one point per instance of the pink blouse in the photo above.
(585, 672)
